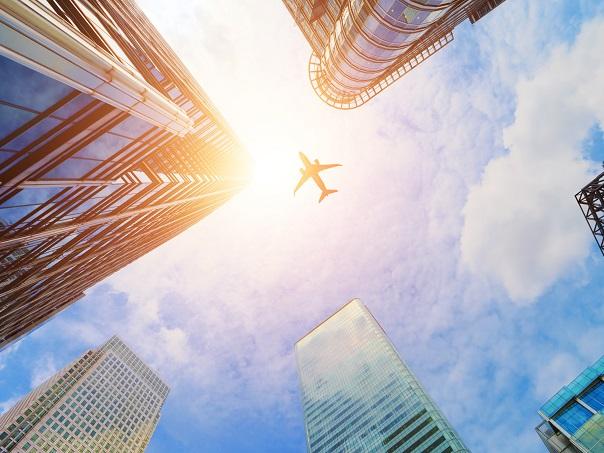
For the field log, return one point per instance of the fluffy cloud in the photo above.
(43, 368)
(7, 404)
(522, 225)
(6, 354)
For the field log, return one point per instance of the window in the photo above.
(594, 397)
(573, 417)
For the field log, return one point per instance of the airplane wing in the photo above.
(325, 167)
(304, 159)
(303, 179)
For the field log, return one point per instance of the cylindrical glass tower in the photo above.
(362, 46)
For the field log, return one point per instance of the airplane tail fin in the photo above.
(325, 193)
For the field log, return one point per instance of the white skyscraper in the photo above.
(107, 400)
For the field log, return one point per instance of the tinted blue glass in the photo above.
(24, 202)
(22, 86)
(32, 195)
(132, 127)
(32, 133)
(72, 168)
(11, 118)
(4, 154)
(573, 418)
(595, 397)
(73, 106)
(103, 147)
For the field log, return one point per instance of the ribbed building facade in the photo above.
(359, 396)
(359, 47)
(573, 419)
(107, 400)
(108, 148)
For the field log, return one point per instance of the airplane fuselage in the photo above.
(311, 170)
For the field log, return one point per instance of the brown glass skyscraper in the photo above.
(359, 47)
(108, 148)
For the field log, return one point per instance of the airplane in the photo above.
(311, 170)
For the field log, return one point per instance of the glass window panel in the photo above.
(103, 147)
(25, 201)
(32, 195)
(12, 118)
(132, 127)
(5, 154)
(595, 397)
(73, 106)
(11, 215)
(19, 82)
(32, 133)
(572, 418)
(72, 168)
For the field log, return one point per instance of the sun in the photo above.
(275, 162)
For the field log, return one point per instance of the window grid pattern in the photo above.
(362, 46)
(86, 188)
(358, 395)
(108, 400)
(574, 417)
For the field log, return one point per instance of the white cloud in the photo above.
(7, 404)
(43, 369)
(522, 225)
(6, 354)
(558, 372)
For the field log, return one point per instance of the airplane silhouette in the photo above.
(312, 171)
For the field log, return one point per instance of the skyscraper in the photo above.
(591, 202)
(359, 396)
(573, 419)
(107, 400)
(359, 47)
(108, 148)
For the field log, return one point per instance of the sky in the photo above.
(455, 223)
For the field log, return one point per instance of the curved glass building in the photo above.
(362, 46)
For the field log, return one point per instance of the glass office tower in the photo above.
(573, 419)
(108, 148)
(359, 396)
(359, 47)
(107, 400)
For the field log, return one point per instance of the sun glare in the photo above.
(275, 163)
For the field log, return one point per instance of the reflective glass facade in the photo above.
(107, 400)
(362, 46)
(573, 419)
(359, 396)
(108, 148)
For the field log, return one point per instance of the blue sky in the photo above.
(455, 224)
